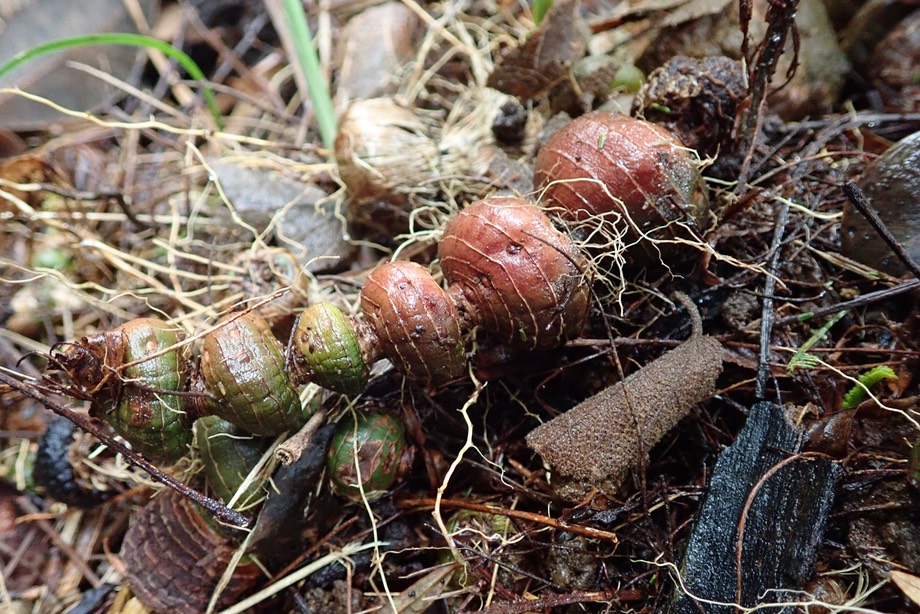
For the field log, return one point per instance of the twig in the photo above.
(290, 450)
(520, 515)
(219, 510)
(762, 65)
(124, 202)
(859, 301)
(548, 602)
(859, 200)
(766, 314)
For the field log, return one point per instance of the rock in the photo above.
(265, 199)
(891, 183)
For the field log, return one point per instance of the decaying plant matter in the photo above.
(597, 442)
(492, 315)
(508, 277)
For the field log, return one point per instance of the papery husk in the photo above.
(386, 151)
(399, 166)
(467, 143)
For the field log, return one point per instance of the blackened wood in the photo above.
(277, 532)
(781, 527)
(54, 471)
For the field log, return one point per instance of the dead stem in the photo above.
(219, 510)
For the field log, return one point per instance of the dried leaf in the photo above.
(25, 169)
(419, 597)
(599, 440)
(909, 585)
(545, 59)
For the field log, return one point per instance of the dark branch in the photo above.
(218, 509)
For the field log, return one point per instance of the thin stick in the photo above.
(290, 450)
(761, 67)
(553, 601)
(519, 514)
(859, 200)
(859, 301)
(766, 314)
(219, 510)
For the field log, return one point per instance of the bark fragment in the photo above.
(777, 503)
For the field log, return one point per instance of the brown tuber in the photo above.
(416, 324)
(514, 274)
(597, 442)
(605, 165)
(174, 558)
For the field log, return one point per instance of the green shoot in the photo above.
(296, 19)
(860, 392)
(802, 358)
(127, 39)
(540, 7)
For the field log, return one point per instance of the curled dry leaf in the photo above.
(597, 442)
(545, 60)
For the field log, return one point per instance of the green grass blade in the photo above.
(126, 39)
(540, 7)
(802, 359)
(309, 62)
